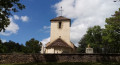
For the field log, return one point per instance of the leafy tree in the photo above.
(107, 39)
(2, 47)
(23, 48)
(1, 50)
(6, 9)
(94, 38)
(33, 46)
(11, 47)
(82, 45)
(0, 41)
(111, 33)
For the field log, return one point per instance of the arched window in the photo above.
(60, 24)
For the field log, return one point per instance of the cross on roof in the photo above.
(116, 0)
(61, 10)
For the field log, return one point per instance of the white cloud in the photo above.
(45, 41)
(86, 14)
(16, 17)
(46, 27)
(11, 29)
(5, 34)
(3, 40)
(24, 18)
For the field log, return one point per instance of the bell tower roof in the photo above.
(60, 18)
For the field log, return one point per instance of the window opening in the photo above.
(60, 24)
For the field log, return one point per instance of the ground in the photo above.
(69, 63)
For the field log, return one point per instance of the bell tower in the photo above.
(60, 28)
(60, 36)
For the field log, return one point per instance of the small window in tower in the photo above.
(60, 24)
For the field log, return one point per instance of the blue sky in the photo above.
(39, 13)
(34, 21)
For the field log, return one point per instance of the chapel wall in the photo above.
(49, 50)
(58, 50)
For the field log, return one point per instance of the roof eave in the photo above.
(61, 20)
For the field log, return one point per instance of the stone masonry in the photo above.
(28, 58)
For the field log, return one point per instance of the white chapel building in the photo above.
(60, 37)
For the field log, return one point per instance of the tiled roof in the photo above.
(60, 18)
(59, 43)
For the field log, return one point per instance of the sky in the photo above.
(34, 20)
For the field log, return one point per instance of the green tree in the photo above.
(6, 9)
(33, 46)
(11, 47)
(1, 48)
(0, 41)
(107, 39)
(93, 37)
(111, 33)
(82, 45)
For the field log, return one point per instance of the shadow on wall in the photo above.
(35, 57)
(51, 58)
(76, 58)
(45, 58)
(108, 58)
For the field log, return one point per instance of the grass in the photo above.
(69, 63)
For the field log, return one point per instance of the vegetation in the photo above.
(69, 63)
(92, 38)
(6, 9)
(105, 40)
(32, 46)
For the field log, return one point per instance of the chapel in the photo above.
(60, 37)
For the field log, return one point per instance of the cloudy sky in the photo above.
(34, 21)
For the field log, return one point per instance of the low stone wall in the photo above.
(28, 58)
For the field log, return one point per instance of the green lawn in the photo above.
(69, 63)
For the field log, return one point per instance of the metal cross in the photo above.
(116, 0)
(61, 10)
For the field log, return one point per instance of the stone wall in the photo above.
(28, 58)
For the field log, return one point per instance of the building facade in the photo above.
(60, 36)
